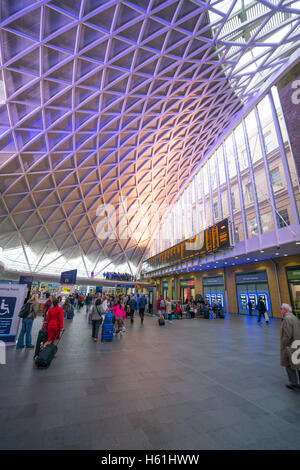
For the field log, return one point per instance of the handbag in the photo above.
(25, 311)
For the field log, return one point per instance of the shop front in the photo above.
(213, 290)
(293, 278)
(251, 286)
(165, 289)
(187, 289)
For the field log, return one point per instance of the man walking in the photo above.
(289, 332)
(142, 305)
(133, 306)
(261, 308)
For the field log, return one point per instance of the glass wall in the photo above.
(250, 179)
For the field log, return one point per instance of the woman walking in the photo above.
(55, 323)
(119, 315)
(97, 318)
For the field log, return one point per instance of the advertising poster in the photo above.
(11, 300)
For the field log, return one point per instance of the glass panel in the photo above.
(278, 181)
(287, 148)
(259, 171)
(234, 190)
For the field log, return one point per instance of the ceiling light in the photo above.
(262, 251)
(236, 257)
(284, 255)
(297, 243)
(276, 254)
(248, 259)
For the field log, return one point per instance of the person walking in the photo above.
(88, 302)
(261, 308)
(133, 306)
(142, 306)
(97, 318)
(289, 332)
(55, 323)
(161, 307)
(250, 307)
(119, 315)
(27, 325)
(168, 309)
(47, 304)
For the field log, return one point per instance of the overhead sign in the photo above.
(213, 281)
(11, 300)
(68, 277)
(208, 241)
(251, 277)
(26, 280)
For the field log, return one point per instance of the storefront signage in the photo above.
(208, 241)
(68, 277)
(251, 277)
(11, 300)
(213, 281)
(293, 275)
(187, 283)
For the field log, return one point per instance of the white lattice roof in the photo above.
(110, 100)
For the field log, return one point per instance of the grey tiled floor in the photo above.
(193, 384)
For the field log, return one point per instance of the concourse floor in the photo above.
(192, 384)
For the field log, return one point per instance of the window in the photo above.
(249, 193)
(276, 179)
(283, 218)
(216, 210)
(269, 142)
(243, 160)
(253, 228)
(232, 201)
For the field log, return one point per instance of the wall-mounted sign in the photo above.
(210, 240)
(68, 277)
(251, 277)
(213, 281)
(11, 300)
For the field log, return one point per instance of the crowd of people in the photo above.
(55, 310)
(119, 277)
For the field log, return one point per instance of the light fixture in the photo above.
(248, 259)
(297, 243)
(284, 255)
(262, 251)
(276, 254)
(236, 257)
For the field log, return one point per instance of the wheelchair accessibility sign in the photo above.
(7, 308)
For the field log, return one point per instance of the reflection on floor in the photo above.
(192, 384)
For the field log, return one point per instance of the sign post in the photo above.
(11, 300)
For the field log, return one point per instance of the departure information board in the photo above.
(210, 240)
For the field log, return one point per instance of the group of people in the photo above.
(119, 277)
(166, 308)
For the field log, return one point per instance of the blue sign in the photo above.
(7, 308)
(251, 277)
(68, 277)
(26, 280)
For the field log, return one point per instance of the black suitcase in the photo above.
(41, 339)
(47, 354)
(70, 314)
(161, 321)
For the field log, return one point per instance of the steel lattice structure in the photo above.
(116, 102)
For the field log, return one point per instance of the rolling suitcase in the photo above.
(107, 333)
(47, 354)
(41, 339)
(161, 321)
(70, 314)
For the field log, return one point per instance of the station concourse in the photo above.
(149, 170)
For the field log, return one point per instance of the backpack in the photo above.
(25, 310)
(162, 304)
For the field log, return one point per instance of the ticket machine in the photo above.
(243, 300)
(213, 297)
(220, 299)
(252, 296)
(207, 298)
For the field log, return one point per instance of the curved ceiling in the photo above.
(117, 102)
